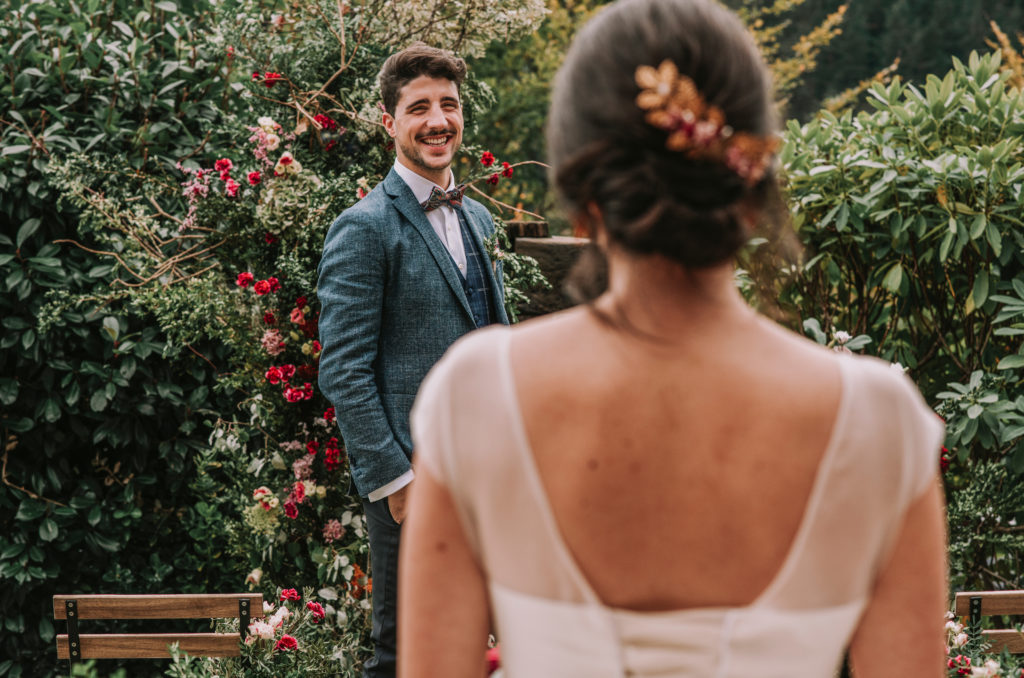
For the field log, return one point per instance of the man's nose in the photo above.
(436, 117)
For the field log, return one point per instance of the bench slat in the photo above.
(992, 602)
(167, 606)
(1005, 638)
(151, 645)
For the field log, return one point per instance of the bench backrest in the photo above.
(76, 646)
(978, 604)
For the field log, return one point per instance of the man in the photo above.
(404, 274)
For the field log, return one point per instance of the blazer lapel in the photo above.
(405, 203)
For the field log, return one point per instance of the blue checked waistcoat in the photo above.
(393, 301)
(476, 283)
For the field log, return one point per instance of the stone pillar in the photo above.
(556, 256)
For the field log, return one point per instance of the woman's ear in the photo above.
(589, 223)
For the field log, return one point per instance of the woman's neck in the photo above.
(665, 301)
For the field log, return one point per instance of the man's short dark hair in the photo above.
(415, 60)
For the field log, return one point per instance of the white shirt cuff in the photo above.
(392, 487)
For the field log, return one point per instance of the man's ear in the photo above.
(388, 121)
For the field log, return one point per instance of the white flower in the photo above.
(954, 627)
(267, 124)
(960, 640)
(272, 141)
(279, 617)
(254, 577)
(268, 608)
(287, 164)
(841, 336)
(989, 669)
(262, 630)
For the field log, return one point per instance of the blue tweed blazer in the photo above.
(392, 304)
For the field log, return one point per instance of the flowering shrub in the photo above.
(292, 638)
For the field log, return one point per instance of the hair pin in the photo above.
(674, 104)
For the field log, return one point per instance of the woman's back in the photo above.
(639, 546)
(677, 473)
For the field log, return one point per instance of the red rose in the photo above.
(506, 169)
(293, 395)
(254, 178)
(223, 165)
(274, 284)
(312, 446)
(271, 78)
(298, 492)
(286, 643)
(262, 287)
(244, 279)
(317, 610)
(330, 145)
(493, 179)
(329, 415)
(307, 391)
(493, 659)
(316, 346)
(273, 375)
(269, 318)
(269, 238)
(297, 317)
(288, 371)
(360, 193)
(290, 594)
(231, 187)
(300, 302)
(292, 511)
(325, 122)
(487, 159)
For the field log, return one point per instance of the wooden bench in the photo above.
(75, 646)
(978, 604)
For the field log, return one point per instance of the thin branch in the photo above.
(504, 204)
(162, 213)
(3, 476)
(209, 362)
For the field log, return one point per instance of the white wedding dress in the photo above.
(882, 454)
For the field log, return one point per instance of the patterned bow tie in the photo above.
(439, 197)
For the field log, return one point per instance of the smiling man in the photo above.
(404, 274)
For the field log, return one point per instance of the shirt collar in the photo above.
(421, 188)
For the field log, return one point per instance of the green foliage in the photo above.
(140, 415)
(909, 218)
(99, 428)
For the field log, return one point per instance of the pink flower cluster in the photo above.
(333, 531)
(272, 342)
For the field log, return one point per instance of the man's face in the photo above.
(427, 126)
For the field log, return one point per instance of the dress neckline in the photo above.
(563, 553)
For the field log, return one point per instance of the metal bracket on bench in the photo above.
(243, 617)
(975, 610)
(74, 643)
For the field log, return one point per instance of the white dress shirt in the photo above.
(445, 223)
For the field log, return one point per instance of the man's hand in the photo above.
(397, 503)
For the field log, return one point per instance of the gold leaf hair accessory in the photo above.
(673, 104)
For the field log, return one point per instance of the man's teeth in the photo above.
(436, 141)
